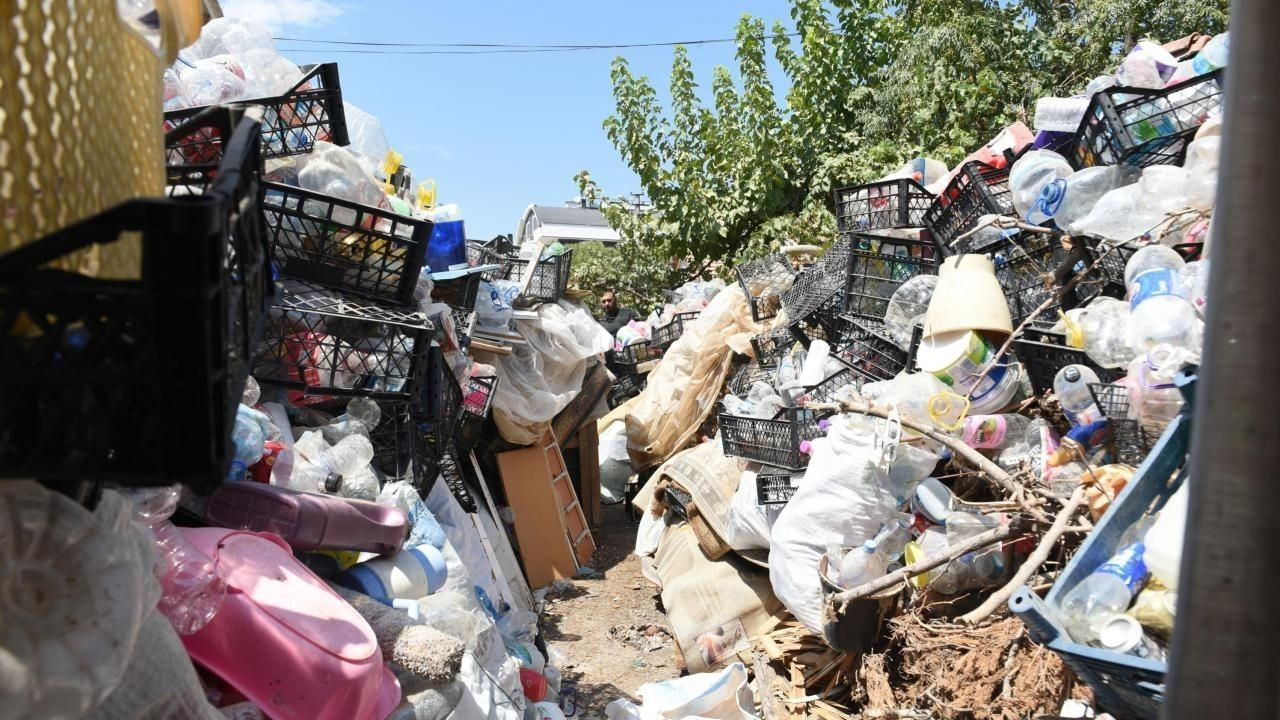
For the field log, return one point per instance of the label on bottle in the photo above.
(985, 431)
(1129, 566)
(1152, 283)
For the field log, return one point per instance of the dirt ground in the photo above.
(610, 629)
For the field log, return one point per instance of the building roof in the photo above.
(552, 215)
(567, 225)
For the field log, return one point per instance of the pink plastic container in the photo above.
(308, 521)
(284, 639)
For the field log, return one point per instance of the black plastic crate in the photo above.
(357, 248)
(137, 381)
(877, 268)
(437, 404)
(476, 402)
(625, 388)
(977, 189)
(1032, 268)
(865, 347)
(664, 335)
(775, 486)
(815, 286)
(830, 389)
(771, 346)
(638, 353)
(820, 324)
(450, 469)
(550, 275)
(400, 452)
(319, 341)
(1044, 352)
(292, 123)
(750, 373)
(772, 441)
(1130, 440)
(880, 205)
(763, 281)
(1136, 126)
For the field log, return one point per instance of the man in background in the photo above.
(612, 317)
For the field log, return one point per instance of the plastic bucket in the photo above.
(968, 297)
(1005, 391)
(957, 358)
(409, 574)
(447, 249)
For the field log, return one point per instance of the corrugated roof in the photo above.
(552, 215)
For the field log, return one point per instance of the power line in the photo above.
(490, 48)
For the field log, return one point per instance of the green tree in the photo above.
(872, 84)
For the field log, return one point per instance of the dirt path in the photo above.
(610, 628)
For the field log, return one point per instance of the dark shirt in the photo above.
(615, 322)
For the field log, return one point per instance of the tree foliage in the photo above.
(872, 83)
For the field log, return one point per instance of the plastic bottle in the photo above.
(1164, 539)
(1153, 397)
(892, 539)
(861, 565)
(970, 571)
(1195, 283)
(996, 432)
(1031, 173)
(1071, 386)
(1081, 192)
(1105, 326)
(907, 308)
(1158, 311)
(1106, 593)
(814, 362)
(1039, 443)
(1060, 114)
(193, 589)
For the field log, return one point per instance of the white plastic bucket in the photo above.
(957, 358)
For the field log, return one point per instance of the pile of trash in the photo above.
(971, 405)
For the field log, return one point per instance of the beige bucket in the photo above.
(968, 297)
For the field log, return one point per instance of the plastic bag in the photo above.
(494, 303)
(333, 170)
(722, 695)
(615, 464)
(229, 35)
(747, 526)
(368, 140)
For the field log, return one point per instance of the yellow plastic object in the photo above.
(947, 410)
(391, 163)
(914, 554)
(80, 121)
(427, 194)
(1075, 333)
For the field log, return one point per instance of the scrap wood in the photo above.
(1031, 566)
(766, 681)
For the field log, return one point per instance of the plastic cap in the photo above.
(1071, 374)
(806, 447)
(332, 482)
(869, 546)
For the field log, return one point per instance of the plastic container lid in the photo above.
(933, 500)
(1121, 633)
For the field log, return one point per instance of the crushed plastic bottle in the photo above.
(1104, 322)
(1159, 313)
(193, 588)
(1154, 399)
(1031, 173)
(907, 308)
(1104, 594)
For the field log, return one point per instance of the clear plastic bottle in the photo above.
(1153, 397)
(861, 565)
(193, 589)
(996, 432)
(1159, 313)
(1031, 173)
(1039, 443)
(1082, 191)
(907, 308)
(978, 569)
(1104, 594)
(1071, 386)
(814, 362)
(1104, 324)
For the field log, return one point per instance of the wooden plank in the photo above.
(589, 473)
(544, 545)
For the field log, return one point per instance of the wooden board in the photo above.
(589, 473)
(551, 529)
(498, 545)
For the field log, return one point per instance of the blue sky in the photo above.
(498, 132)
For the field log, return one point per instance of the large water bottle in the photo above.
(1105, 593)
(1071, 386)
(978, 569)
(996, 432)
(1104, 323)
(1082, 190)
(1031, 173)
(861, 565)
(1158, 311)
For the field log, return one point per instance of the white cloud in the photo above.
(280, 15)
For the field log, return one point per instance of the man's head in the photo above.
(608, 302)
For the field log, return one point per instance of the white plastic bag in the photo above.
(722, 695)
(368, 141)
(747, 527)
(615, 464)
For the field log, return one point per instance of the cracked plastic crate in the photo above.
(550, 276)
(763, 282)
(865, 347)
(1129, 438)
(400, 451)
(977, 189)
(771, 441)
(1026, 268)
(818, 288)
(1135, 126)
(664, 335)
(292, 122)
(319, 342)
(625, 388)
(1044, 352)
(136, 381)
(437, 403)
(1125, 685)
(356, 248)
(475, 410)
(880, 205)
(878, 266)
(748, 375)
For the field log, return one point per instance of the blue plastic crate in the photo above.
(1125, 685)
